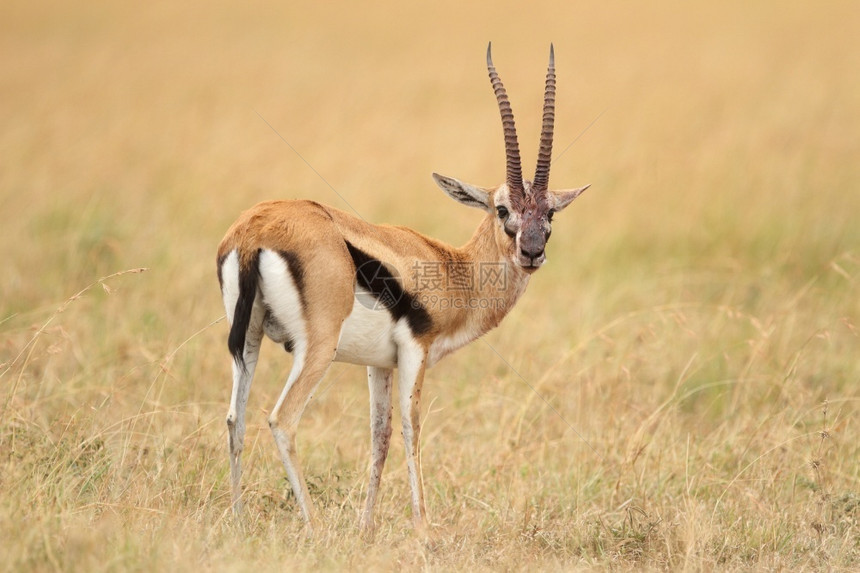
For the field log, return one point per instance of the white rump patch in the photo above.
(283, 301)
(230, 283)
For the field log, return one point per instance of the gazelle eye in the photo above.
(549, 216)
(502, 211)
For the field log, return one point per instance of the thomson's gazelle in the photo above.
(329, 286)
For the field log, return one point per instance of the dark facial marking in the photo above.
(504, 217)
(534, 227)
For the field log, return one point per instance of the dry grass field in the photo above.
(679, 388)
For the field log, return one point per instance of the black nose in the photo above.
(531, 253)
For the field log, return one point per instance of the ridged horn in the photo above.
(541, 181)
(512, 148)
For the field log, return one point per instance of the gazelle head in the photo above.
(522, 209)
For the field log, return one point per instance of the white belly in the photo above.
(367, 337)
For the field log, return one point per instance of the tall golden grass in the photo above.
(677, 390)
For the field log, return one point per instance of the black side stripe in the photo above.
(373, 276)
(249, 277)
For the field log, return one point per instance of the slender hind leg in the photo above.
(309, 367)
(242, 378)
(379, 382)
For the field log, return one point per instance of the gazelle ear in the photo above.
(463, 192)
(565, 197)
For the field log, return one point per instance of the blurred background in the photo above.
(134, 134)
(713, 265)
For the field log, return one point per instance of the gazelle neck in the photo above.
(504, 281)
(495, 286)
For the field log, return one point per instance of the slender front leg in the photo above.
(410, 369)
(379, 382)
